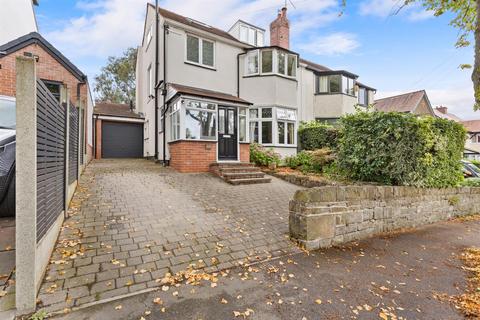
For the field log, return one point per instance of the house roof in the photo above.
(194, 23)
(407, 102)
(198, 92)
(36, 38)
(365, 86)
(247, 23)
(472, 125)
(315, 66)
(115, 110)
(448, 116)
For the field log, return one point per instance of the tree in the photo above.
(116, 82)
(466, 20)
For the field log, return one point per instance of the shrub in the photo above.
(401, 149)
(475, 162)
(471, 182)
(315, 135)
(311, 161)
(262, 156)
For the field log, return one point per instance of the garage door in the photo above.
(122, 140)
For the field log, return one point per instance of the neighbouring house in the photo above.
(214, 92)
(118, 131)
(413, 102)
(17, 18)
(442, 112)
(56, 71)
(472, 145)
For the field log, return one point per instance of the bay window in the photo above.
(273, 126)
(200, 51)
(200, 120)
(271, 61)
(335, 83)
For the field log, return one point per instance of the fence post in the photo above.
(26, 184)
(67, 148)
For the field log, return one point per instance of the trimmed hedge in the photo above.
(314, 135)
(401, 149)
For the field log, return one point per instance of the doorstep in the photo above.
(239, 173)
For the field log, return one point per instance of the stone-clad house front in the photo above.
(206, 94)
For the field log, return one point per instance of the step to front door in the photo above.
(239, 173)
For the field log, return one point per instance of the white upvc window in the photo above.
(252, 36)
(149, 35)
(200, 51)
(175, 121)
(149, 82)
(242, 125)
(271, 61)
(252, 65)
(273, 126)
(200, 120)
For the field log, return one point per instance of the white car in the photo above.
(7, 156)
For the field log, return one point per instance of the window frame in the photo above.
(365, 102)
(149, 36)
(150, 90)
(200, 52)
(343, 79)
(274, 120)
(275, 63)
(249, 54)
(214, 111)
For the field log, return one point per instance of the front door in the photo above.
(227, 133)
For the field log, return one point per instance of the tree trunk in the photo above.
(476, 67)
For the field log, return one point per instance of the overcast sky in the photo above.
(398, 53)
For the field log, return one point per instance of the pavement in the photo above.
(390, 277)
(132, 221)
(7, 264)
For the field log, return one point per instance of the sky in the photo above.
(394, 53)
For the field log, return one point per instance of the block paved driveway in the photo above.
(132, 221)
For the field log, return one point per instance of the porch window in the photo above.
(175, 122)
(200, 121)
(242, 121)
(200, 51)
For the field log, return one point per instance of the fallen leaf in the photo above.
(318, 301)
(119, 307)
(224, 301)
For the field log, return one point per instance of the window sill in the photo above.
(200, 66)
(191, 140)
(334, 93)
(270, 75)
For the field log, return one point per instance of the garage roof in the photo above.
(115, 110)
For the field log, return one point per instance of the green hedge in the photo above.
(262, 156)
(314, 135)
(401, 149)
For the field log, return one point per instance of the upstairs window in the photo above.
(271, 61)
(251, 36)
(149, 82)
(149, 35)
(200, 51)
(362, 96)
(335, 83)
(252, 62)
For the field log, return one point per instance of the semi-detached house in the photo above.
(214, 92)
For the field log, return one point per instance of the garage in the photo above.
(118, 131)
(122, 140)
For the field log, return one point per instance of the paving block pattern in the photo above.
(132, 221)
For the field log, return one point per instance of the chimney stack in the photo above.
(280, 30)
(442, 109)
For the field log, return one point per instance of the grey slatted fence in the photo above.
(73, 145)
(82, 135)
(51, 134)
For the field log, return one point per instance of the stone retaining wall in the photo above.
(326, 216)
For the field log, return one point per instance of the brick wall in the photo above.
(47, 69)
(280, 30)
(98, 138)
(325, 216)
(192, 156)
(245, 152)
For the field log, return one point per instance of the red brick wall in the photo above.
(47, 69)
(192, 156)
(98, 139)
(245, 152)
(280, 30)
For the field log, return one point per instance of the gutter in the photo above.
(164, 92)
(156, 79)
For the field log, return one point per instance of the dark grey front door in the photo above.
(122, 140)
(227, 133)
